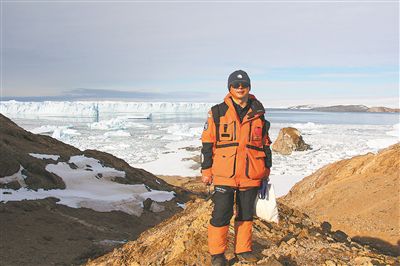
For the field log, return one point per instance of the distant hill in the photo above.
(358, 195)
(383, 110)
(345, 108)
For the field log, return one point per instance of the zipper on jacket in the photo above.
(234, 167)
(234, 130)
(247, 165)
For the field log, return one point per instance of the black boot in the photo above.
(247, 257)
(218, 260)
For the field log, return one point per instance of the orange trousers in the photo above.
(224, 198)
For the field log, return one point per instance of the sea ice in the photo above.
(118, 133)
(156, 145)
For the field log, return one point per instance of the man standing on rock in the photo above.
(236, 159)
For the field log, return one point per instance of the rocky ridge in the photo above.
(296, 240)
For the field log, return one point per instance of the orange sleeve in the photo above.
(209, 130)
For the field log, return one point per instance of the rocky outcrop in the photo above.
(16, 144)
(358, 195)
(296, 240)
(289, 140)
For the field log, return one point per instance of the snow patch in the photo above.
(45, 156)
(91, 186)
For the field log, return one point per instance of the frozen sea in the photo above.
(162, 144)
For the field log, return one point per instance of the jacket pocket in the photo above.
(255, 163)
(227, 131)
(224, 162)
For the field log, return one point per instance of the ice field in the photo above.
(163, 143)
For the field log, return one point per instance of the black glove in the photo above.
(263, 191)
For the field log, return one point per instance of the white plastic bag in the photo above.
(266, 209)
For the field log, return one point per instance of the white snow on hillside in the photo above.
(45, 156)
(91, 186)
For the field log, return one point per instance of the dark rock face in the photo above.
(8, 165)
(16, 144)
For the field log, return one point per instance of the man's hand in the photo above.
(206, 179)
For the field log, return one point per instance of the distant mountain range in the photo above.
(345, 108)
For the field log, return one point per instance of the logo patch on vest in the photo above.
(205, 126)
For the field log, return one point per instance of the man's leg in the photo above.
(244, 219)
(221, 216)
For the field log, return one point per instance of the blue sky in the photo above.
(295, 52)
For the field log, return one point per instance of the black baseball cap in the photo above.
(238, 76)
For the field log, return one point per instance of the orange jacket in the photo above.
(236, 154)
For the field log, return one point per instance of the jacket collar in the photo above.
(255, 111)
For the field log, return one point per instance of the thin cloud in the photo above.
(97, 94)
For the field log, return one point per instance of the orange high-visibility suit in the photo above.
(237, 155)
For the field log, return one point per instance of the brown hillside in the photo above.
(296, 240)
(360, 195)
(42, 232)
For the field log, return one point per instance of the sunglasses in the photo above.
(236, 84)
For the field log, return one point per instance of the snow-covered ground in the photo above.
(162, 144)
(89, 186)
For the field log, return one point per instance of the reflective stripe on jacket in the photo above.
(236, 154)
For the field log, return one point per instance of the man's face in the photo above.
(239, 91)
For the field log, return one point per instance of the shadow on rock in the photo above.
(379, 244)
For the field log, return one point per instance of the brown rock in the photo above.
(291, 241)
(362, 261)
(271, 261)
(330, 263)
(289, 140)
